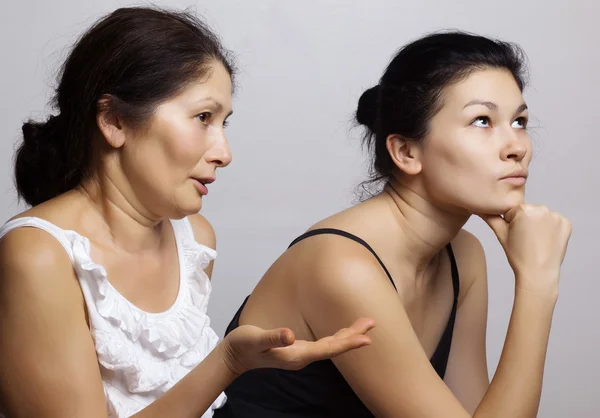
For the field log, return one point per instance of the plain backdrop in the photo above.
(297, 157)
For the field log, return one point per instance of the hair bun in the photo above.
(41, 131)
(366, 113)
(39, 161)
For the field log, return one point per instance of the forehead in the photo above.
(494, 85)
(216, 85)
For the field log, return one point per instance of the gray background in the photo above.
(297, 158)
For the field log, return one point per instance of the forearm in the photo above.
(195, 393)
(516, 387)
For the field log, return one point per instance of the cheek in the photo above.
(162, 157)
(459, 176)
(451, 163)
(183, 148)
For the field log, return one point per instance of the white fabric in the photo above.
(141, 354)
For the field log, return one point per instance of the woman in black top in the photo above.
(447, 129)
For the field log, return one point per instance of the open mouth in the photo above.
(204, 181)
(201, 184)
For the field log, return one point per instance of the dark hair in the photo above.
(136, 58)
(410, 91)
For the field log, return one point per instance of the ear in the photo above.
(406, 154)
(109, 123)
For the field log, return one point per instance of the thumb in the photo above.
(274, 338)
(498, 224)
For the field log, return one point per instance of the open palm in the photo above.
(249, 347)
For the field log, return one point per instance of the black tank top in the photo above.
(319, 390)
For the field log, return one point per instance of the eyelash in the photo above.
(208, 115)
(523, 120)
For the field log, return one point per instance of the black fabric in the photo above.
(319, 390)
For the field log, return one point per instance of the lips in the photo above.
(517, 178)
(203, 180)
(516, 174)
(201, 183)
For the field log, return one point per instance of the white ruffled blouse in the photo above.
(141, 354)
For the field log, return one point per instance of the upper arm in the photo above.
(392, 376)
(48, 363)
(205, 235)
(467, 373)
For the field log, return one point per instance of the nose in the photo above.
(219, 154)
(515, 147)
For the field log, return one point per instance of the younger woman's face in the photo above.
(476, 156)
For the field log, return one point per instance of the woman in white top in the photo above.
(104, 282)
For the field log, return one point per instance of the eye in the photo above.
(204, 117)
(520, 123)
(225, 123)
(481, 122)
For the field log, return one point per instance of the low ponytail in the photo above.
(44, 166)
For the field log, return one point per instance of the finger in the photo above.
(330, 348)
(273, 338)
(498, 224)
(303, 352)
(360, 326)
(363, 325)
(511, 214)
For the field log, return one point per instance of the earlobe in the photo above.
(405, 154)
(109, 124)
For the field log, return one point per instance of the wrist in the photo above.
(544, 282)
(546, 294)
(537, 273)
(228, 358)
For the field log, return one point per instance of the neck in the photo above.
(426, 228)
(128, 227)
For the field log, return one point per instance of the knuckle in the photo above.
(274, 339)
(528, 209)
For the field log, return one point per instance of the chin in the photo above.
(501, 208)
(192, 209)
(496, 206)
(188, 207)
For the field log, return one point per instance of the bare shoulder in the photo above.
(35, 266)
(338, 281)
(29, 247)
(470, 259)
(31, 257)
(203, 230)
(331, 264)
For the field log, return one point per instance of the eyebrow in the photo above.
(521, 108)
(489, 105)
(493, 106)
(218, 106)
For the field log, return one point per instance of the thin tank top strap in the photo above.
(33, 222)
(439, 360)
(455, 278)
(333, 231)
